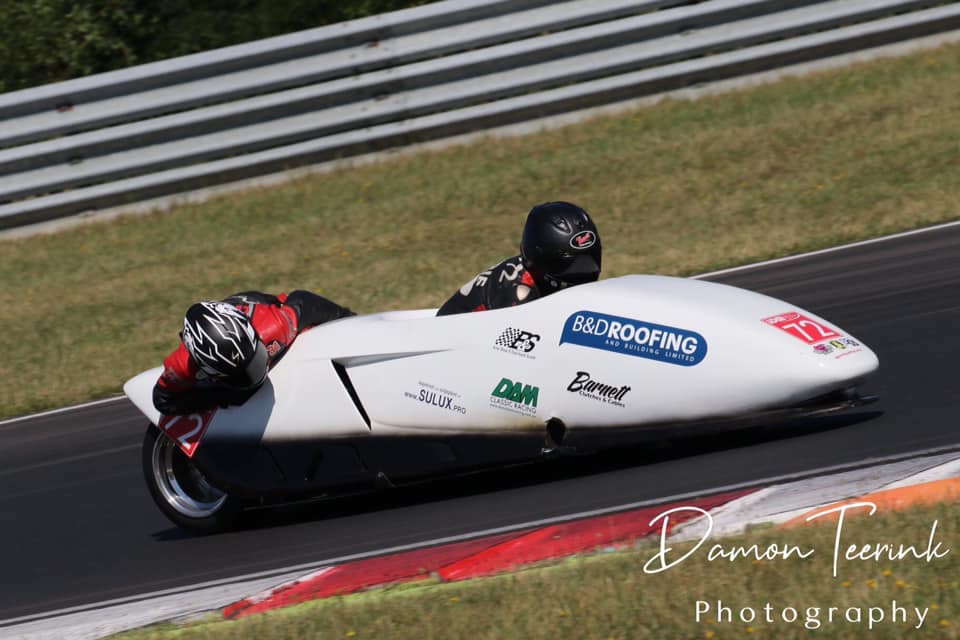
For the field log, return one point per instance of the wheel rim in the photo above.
(181, 484)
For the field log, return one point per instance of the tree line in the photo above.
(44, 41)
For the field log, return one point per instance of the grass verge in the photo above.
(610, 596)
(676, 188)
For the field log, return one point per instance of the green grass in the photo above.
(675, 188)
(610, 596)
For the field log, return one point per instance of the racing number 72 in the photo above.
(802, 327)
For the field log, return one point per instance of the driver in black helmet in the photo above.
(560, 248)
(229, 345)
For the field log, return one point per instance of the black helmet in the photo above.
(224, 344)
(560, 245)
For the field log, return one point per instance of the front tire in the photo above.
(181, 491)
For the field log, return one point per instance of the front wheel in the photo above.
(181, 491)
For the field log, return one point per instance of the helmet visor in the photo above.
(254, 371)
(576, 269)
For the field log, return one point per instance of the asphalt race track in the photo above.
(79, 527)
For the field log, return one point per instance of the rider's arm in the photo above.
(175, 403)
(470, 297)
(458, 304)
(177, 391)
(504, 285)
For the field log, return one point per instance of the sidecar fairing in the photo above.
(393, 396)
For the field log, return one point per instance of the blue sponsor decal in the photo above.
(634, 338)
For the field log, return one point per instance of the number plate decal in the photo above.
(187, 430)
(802, 327)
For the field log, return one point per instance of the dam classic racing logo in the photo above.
(515, 397)
(634, 338)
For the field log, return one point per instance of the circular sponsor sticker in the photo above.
(583, 240)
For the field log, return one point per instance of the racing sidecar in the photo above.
(388, 397)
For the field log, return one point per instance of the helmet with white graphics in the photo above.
(222, 341)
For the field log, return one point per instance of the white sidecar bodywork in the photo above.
(618, 355)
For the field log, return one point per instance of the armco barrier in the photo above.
(433, 71)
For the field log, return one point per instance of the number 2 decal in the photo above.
(187, 430)
(802, 327)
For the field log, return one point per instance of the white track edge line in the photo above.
(743, 267)
(842, 247)
(760, 483)
(51, 412)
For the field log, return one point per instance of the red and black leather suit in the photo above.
(184, 388)
(504, 285)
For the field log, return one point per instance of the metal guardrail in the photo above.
(433, 71)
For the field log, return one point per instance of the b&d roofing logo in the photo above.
(634, 338)
(515, 396)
